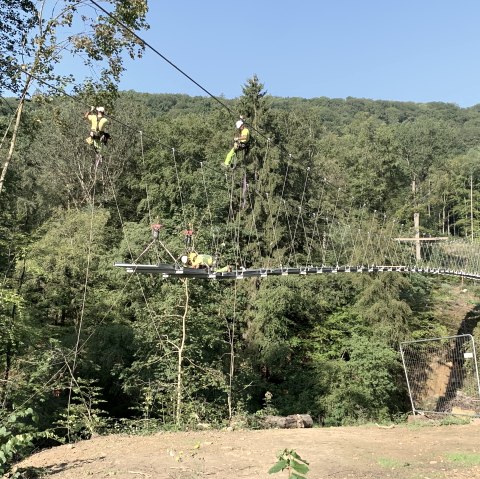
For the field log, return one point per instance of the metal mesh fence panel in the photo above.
(442, 375)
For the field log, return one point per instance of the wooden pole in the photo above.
(416, 225)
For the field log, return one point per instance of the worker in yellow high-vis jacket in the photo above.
(195, 260)
(98, 134)
(240, 142)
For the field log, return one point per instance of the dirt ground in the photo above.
(410, 451)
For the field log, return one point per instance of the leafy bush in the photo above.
(16, 438)
(83, 418)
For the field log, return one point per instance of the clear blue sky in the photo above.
(405, 50)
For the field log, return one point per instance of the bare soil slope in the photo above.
(407, 451)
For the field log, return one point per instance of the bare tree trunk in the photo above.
(444, 215)
(13, 140)
(178, 413)
(9, 345)
(6, 131)
(28, 81)
(429, 193)
(471, 205)
(466, 218)
(6, 374)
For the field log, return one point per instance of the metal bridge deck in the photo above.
(171, 270)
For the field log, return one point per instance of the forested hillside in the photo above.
(88, 347)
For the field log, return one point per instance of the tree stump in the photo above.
(288, 422)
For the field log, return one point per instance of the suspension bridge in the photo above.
(455, 257)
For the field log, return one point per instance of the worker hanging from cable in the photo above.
(98, 135)
(240, 142)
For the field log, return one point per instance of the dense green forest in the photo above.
(89, 348)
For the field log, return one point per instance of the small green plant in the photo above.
(290, 461)
(268, 409)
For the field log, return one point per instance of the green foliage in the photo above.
(14, 22)
(12, 328)
(290, 461)
(17, 436)
(382, 303)
(83, 417)
(30, 39)
(268, 408)
(57, 264)
(326, 345)
(152, 377)
(367, 383)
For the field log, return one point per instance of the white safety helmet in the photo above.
(184, 259)
(239, 123)
(100, 109)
